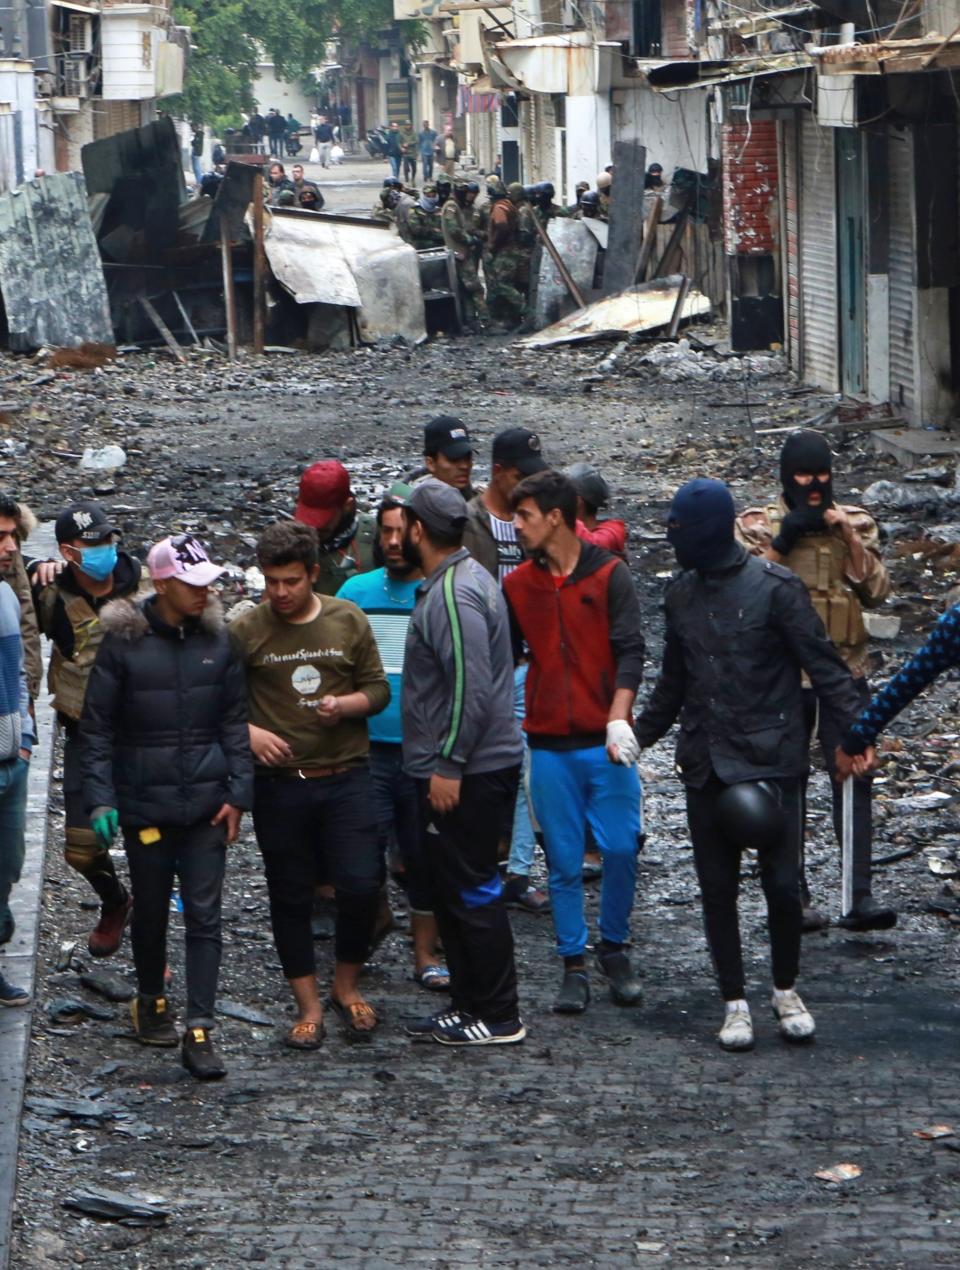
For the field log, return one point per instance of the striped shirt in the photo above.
(509, 552)
(941, 652)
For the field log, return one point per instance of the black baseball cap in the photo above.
(86, 521)
(447, 435)
(519, 448)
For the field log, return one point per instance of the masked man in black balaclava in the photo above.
(739, 630)
(835, 552)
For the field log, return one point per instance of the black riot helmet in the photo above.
(473, 187)
(392, 183)
(590, 203)
(544, 193)
(806, 452)
(444, 185)
(749, 815)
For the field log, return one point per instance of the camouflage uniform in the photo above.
(502, 259)
(423, 228)
(459, 240)
(527, 236)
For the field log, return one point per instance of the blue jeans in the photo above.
(398, 820)
(197, 168)
(13, 816)
(571, 789)
(394, 164)
(523, 841)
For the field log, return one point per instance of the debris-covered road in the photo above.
(626, 1137)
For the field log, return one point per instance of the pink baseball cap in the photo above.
(182, 557)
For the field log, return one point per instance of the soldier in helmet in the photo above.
(589, 207)
(739, 631)
(527, 236)
(835, 551)
(544, 207)
(460, 239)
(423, 220)
(502, 258)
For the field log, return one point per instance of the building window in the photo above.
(647, 29)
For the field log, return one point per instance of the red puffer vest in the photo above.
(572, 675)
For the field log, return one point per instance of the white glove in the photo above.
(621, 734)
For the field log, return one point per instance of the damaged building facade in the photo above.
(72, 73)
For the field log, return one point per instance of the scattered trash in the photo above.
(881, 625)
(73, 1108)
(108, 458)
(839, 1173)
(922, 802)
(942, 868)
(236, 1010)
(934, 1131)
(72, 1010)
(127, 1210)
(65, 956)
(111, 986)
(647, 307)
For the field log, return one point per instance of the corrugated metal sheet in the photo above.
(818, 255)
(902, 267)
(322, 261)
(51, 278)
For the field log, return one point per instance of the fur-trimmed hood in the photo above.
(127, 620)
(28, 521)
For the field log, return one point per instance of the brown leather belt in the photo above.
(313, 773)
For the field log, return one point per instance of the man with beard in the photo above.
(387, 596)
(462, 745)
(17, 733)
(326, 503)
(835, 551)
(739, 631)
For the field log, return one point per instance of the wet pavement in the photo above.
(623, 1138)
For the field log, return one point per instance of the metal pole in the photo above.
(259, 267)
(229, 295)
(846, 902)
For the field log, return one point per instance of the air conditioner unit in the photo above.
(75, 75)
(81, 33)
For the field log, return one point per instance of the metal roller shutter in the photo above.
(902, 272)
(790, 169)
(818, 255)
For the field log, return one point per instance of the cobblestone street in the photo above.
(623, 1138)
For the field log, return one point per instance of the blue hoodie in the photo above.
(16, 726)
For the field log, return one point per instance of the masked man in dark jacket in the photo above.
(739, 631)
(166, 758)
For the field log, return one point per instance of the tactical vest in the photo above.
(818, 561)
(67, 676)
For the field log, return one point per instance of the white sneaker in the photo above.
(737, 1031)
(796, 1021)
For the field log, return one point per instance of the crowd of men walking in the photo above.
(434, 688)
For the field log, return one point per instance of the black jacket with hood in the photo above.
(736, 641)
(164, 726)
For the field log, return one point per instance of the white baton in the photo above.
(846, 855)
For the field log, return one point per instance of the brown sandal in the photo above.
(355, 1017)
(304, 1035)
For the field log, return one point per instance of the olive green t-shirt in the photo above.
(291, 667)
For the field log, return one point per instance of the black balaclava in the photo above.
(700, 525)
(806, 452)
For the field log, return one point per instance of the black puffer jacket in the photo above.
(164, 728)
(736, 640)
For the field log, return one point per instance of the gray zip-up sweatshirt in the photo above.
(458, 715)
(16, 726)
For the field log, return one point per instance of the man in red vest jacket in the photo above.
(574, 608)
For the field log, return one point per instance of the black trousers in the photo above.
(717, 861)
(308, 830)
(830, 736)
(197, 855)
(460, 850)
